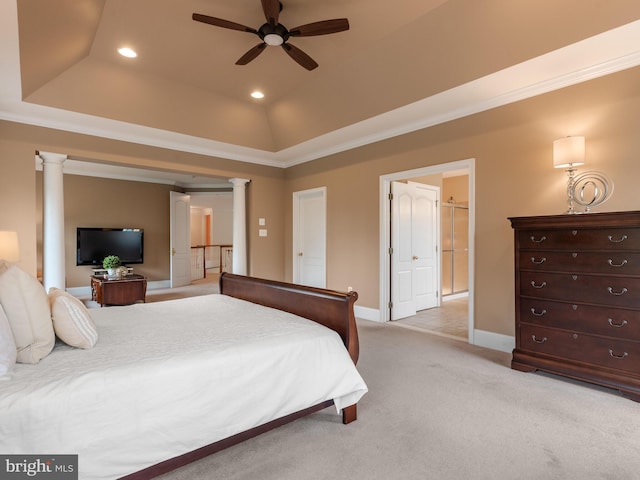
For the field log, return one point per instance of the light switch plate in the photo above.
(262, 222)
(262, 232)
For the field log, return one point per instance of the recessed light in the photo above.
(257, 94)
(127, 52)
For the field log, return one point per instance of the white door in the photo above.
(180, 245)
(414, 259)
(309, 237)
(402, 303)
(425, 235)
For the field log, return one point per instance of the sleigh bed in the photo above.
(168, 383)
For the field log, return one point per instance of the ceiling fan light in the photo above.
(273, 39)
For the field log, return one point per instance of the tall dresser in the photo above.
(578, 297)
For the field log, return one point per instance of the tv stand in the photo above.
(122, 291)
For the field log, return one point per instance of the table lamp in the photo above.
(9, 250)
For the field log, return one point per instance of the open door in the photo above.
(425, 240)
(180, 245)
(414, 248)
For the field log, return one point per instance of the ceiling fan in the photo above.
(275, 34)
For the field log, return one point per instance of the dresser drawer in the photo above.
(596, 239)
(582, 288)
(607, 321)
(616, 354)
(615, 262)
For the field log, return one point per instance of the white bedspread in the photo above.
(169, 377)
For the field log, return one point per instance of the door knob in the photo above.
(415, 258)
(299, 254)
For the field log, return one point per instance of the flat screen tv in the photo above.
(93, 244)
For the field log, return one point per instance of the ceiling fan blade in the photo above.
(251, 54)
(323, 27)
(299, 56)
(219, 22)
(271, 10)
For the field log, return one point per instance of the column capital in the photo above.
(50, 157)
(239, 181)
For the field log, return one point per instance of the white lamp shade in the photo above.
(568, 152)
(9, 250)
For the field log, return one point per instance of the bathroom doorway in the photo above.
(453, 315)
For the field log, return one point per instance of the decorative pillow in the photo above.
(26, 305)
(8, 351)
(71, 320)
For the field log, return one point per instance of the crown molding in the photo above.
(601, 55)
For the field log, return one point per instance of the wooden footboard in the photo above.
(329, 308)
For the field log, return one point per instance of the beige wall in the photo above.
(456, 187)
(266, 199)
(102, 202)
(512, 148)
(514, 176)
(19, 195)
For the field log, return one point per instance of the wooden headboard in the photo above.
(328, 307)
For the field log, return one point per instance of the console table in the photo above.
(122, 291)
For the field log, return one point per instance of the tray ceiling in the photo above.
(402, 66)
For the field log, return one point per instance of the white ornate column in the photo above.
(53, 274)
(239, 226)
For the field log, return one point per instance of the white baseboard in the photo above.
(367, 313)
(158, 284)
(84, 292)
(494, 341)
(455, 296)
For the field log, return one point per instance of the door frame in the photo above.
(385, 231)
(296, 232)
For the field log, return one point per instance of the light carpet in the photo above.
(443, 409)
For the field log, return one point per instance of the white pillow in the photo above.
(71, 320)
(8, 351)
(26, 305)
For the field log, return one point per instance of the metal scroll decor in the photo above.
(589, 189)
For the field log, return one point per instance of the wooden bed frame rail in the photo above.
(329, 308)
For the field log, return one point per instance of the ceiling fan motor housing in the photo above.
(273, 34)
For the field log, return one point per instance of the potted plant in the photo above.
(111, 263)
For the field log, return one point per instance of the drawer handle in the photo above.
(542, 239)
(624, 354)
(622, 239)
(538, 314)
(622, 264)
(542, 340)
(621, 292)
(543, 284)
(538, 262)
(617, 325)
